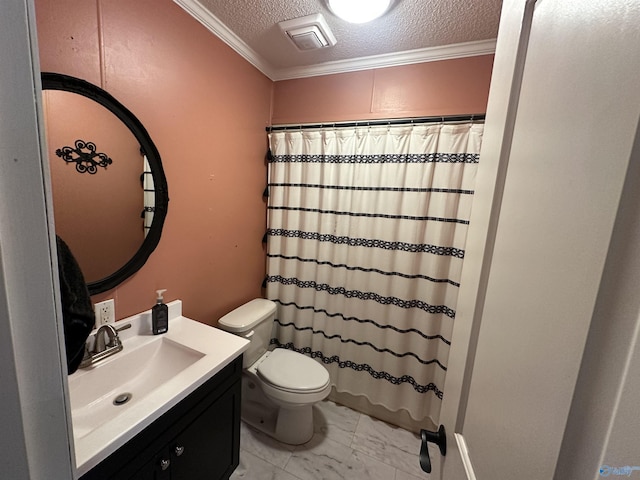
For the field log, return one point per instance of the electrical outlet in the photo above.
(105, 312)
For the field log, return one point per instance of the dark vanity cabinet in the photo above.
(197, 439)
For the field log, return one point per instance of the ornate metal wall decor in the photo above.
(84, 156)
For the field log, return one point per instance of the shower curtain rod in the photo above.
(390, 121)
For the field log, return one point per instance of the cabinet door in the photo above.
(208, 449)
(157, 469)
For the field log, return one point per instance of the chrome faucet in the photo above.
(114, 340)
(102, 348)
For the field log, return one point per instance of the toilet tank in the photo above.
(253, 321)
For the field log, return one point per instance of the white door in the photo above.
(561, 134)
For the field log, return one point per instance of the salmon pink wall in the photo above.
(446, 87)
(205, 109)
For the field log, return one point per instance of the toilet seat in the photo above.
(293, 372)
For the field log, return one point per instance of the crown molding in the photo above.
(430, 54)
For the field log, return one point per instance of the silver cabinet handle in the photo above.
(179, 450)
(164, 464)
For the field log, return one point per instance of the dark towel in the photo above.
(78, 318)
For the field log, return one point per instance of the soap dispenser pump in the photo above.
(160, 315)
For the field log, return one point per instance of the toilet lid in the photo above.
(291, 370)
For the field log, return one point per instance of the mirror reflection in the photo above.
(109, 190)
(99, 215)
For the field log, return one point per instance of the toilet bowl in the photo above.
(279, 387)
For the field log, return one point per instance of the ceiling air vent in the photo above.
(309, 33)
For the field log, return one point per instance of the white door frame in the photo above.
(36, 442)
(510, 55)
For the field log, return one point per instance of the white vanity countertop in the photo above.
(114, 426)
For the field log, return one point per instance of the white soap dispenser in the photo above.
(160, 315)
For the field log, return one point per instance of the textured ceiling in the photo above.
(409, 25)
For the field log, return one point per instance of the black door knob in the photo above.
(439, 438)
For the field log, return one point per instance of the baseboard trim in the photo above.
(464, 455)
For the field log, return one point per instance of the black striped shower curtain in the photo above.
(366, 239)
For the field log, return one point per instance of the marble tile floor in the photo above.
(346, 445)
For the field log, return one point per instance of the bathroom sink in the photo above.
(118, 397)
(125, 379)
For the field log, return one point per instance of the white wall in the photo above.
(604, 424)
(35, 440)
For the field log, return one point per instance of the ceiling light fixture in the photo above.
(359, 11)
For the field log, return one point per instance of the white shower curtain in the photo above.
(366, 238)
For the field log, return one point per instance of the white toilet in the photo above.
(279, 387)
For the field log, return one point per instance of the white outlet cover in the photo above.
(105, 312)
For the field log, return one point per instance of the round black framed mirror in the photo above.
(138, 174)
